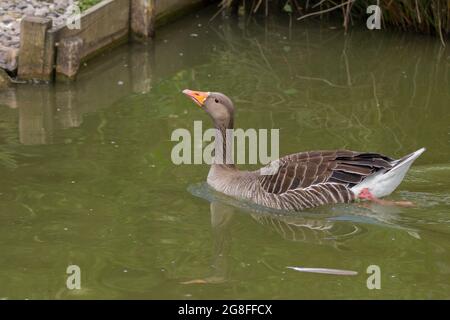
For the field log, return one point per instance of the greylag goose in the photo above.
(302, 180)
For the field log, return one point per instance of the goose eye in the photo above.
(216, 100)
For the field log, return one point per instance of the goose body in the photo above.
(302, 180)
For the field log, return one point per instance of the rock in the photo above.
(8, 58)
(58, 22)
(63, 3)
(22, 5)
(6, 19)
(15, 25)
(5, 81)
(41, 12)
(29, 11)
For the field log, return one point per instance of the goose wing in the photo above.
(306, 169)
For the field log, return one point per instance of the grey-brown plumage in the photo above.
(302, 180)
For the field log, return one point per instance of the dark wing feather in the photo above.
(305, 169)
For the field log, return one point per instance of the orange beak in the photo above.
(197, 96)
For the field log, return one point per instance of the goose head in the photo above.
(216, 104)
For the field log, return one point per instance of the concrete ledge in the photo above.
(100, 26)
(69, 56)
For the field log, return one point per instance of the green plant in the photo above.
(431, 17)
(86, 4)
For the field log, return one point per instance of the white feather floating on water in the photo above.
(325, 271)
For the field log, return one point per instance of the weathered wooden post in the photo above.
(37, 50)
(143, 18)
(69, 56)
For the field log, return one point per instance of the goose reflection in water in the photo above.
(331, 226)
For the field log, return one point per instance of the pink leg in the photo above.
(365, 194)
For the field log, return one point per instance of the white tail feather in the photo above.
(385, 182)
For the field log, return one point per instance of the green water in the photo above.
(86, 176)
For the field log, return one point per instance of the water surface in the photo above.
(86, 176)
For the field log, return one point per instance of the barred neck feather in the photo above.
(223, 152)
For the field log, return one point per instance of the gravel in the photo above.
(11, 14)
